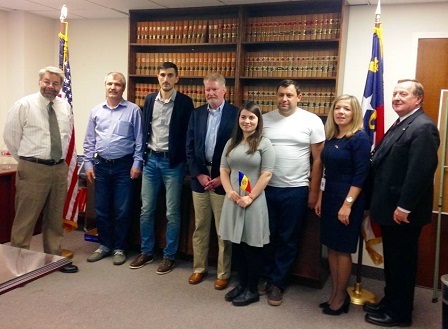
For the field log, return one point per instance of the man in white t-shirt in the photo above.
(297, 136)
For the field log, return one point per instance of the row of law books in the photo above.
(196, 92)
(188, 31)
(294, 27)
(189, 64)
(315, 99)
(306, 64)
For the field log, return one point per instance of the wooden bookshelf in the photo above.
(252, 46)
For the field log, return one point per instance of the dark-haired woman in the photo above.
(244, 217)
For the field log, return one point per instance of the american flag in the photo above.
(70, 218)
(373, 109)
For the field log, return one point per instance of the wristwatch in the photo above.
(349, 199)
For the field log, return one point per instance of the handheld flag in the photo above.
(70, 217)
(373, 109)
(244, 182)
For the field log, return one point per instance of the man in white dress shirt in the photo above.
(39, 144)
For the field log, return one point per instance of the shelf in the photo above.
(247, 44)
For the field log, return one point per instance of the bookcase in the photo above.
(252, 46)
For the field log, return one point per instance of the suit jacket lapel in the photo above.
(396, 135)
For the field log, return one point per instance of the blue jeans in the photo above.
(156, 171)
(287, 207)
(113, 202)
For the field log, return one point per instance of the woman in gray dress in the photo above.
(246, 168)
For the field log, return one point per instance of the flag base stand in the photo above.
(67, 253)
(359, 296)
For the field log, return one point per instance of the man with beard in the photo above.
(165, 121)
(113, 159)
(37, 133)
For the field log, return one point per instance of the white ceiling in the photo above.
(95, 9)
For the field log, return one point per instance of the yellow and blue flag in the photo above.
(373, 97)
(244, 182)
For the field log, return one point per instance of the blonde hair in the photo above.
(332, 129)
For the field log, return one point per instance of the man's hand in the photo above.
(90, 175)
(135, 173)
(400, 216)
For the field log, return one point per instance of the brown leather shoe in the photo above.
(221, 284)
(196, 278)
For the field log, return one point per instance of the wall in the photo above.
(30, 43)
(96, 48)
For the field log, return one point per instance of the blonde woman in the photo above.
(341, 202)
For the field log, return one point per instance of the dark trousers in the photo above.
(287, 207)
(400, 246)
(113, 200)
(249, 262)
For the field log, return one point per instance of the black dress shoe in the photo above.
(385, 320)
(69, 269)
(324, 305)
(234, 293)
(374, 307)
(246, 297)
(343, 309)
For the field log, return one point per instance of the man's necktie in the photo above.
(56, 147)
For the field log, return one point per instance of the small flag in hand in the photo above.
(244, 182)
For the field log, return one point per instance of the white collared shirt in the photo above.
(27, 129)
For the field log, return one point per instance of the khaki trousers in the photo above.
(206, 205)
(39, 189)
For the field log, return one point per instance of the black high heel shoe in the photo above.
(343, 309)
(324, 305)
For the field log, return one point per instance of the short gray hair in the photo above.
(52, 70)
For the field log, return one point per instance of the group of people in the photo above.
(255, 175)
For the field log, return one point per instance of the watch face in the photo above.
(349, 199)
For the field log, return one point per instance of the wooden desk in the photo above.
(7, 209)
(7, 194)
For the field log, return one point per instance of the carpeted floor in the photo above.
(102, 296)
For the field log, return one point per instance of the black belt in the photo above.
(115, 161)
(50, 162)
(158, 154)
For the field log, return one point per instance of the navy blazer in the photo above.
(195, 147)
(403, 174)
(183, 106)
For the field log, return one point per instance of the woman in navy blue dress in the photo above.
(341, 202)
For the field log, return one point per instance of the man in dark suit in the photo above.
(210, 128)
(165, 117)
(403, 168)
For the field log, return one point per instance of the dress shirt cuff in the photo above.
(404, 210)
(88, 165)
(137, 164)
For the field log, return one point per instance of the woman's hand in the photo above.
(344, 214)
(234, 196)
(245, 201)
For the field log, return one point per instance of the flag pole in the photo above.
(65, 252)
(358, 295)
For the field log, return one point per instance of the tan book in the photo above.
(234, 30)
(138, 63)
(138, 36)
(232, 64)
(195, 31)
(313, 28)
(250, 29)
(190, 32)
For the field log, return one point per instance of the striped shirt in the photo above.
(27, 129)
